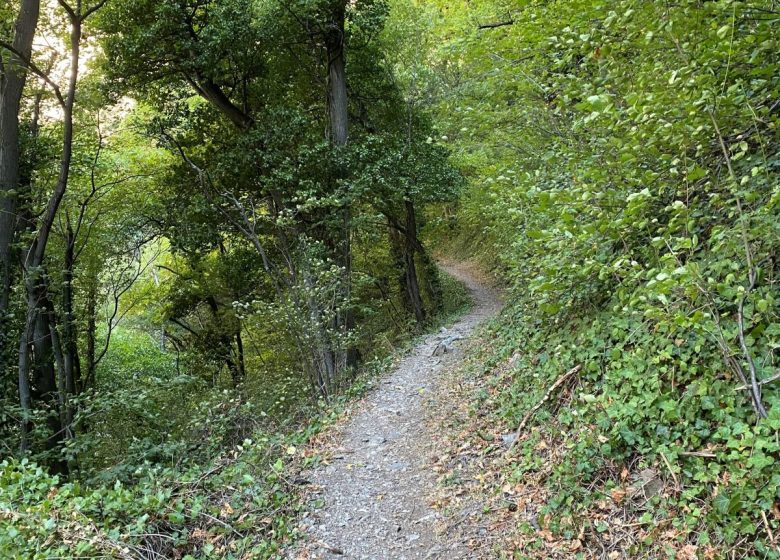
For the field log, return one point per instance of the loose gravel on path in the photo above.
(377, 486)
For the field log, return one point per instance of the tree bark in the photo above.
(59, 427)
(339, 136)
(397, 250)
(212, 93)
(337, 76)
(13, 75)
(91, 334)
(225, 343)
(404, 253)
(432, 280)
(43, 346)
(33, 264)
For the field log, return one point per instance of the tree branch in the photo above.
(755, 387)
(32, 67)
(560, 381)
(93, 9)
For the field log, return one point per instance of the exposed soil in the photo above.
(377, 484)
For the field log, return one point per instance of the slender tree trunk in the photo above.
(240, 349)
(45, 350)
(35, 356)
(412, 283)
(225, 351)
(397, 250)
(52, 364)
(405, 247)
(91, 334)
(33, 264)
(25, 391)
(432, 279)
(71, 363)
(57, 423)
(13, 74)
(430, 272)
(156, 278)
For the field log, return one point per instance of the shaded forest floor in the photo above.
(374, 494)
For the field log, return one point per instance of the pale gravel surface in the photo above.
(378, 485)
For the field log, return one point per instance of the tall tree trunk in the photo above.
(405, 246)
(430, 272)
(13, 74)
(59, 426)
(323, 356)
(397, 251)
(33, 264)
(432, 279)
(45, 350)
(337, 75)
(163, 337)
(225, 343)
(339, 136)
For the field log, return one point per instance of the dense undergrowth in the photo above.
(229, 489)
(623, 160)
(213, 217)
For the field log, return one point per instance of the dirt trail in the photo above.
(376, 490)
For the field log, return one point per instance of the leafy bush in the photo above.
(241, 504)
(624, 170)
(182, 483)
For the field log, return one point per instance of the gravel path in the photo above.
(376, 488)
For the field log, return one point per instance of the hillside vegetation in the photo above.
(623, 172)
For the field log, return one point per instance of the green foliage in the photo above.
(209, 491)
(213, 247)
(621, 171)
(623, 168)
(238, 505)
(149, 41)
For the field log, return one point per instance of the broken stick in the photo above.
(558, 382)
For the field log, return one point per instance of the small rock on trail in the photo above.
(377, 489)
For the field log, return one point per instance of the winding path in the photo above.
(375, 488)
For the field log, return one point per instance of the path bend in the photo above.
(378, 484)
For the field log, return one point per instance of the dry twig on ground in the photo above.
(560, 381)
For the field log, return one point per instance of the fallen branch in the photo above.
(560, 381)
(769, 530)
(677, 486)
(495, 24)
(760, 383)
(703, 454)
